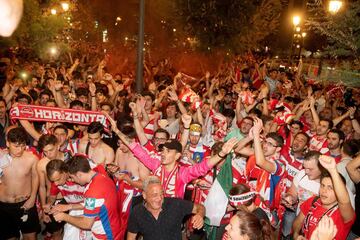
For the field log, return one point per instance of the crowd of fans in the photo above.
(288, 145)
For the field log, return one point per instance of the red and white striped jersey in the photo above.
(72, 192)
(319, 144)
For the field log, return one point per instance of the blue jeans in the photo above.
(287, 222)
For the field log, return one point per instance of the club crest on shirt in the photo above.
(90, 203)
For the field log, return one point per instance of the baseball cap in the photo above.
(173, 144)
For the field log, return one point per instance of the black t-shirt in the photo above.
(168, 224)
(356, 226)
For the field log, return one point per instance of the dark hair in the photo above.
(252, 227)
(351, 147)
(78, 163)
(47, 139)
(228, 113)
(278, 139)
(46, 92)
(123, 119)
(297, 122)
(148, 93)
(314, 155)
(102, 88)
(161, 130)
(17, 135)
(75, 103)
(61, 126)
(22, 95)
(304, 134)
(326, 174)
(82, 92)
(2, 100)
(172, 103)
(240, 189)
(216, 148)
(256, 111)
(330, 122)
(106, 103)
(129, 131)
(95, 127)
(56, 165)
(340, 133)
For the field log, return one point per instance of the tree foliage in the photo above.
(341, 29)
(36, 28)
(227, 24)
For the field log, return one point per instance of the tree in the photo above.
(341, 29)
(36, 29)
(227, 24)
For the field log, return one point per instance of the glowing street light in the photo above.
(65, 6)
(296, 20)
(53, 51)
(53, 11)
(334, 6)
(303, 34)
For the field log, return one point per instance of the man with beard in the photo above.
(350, 126)
(195, 151)
(335, 139)
(293, 158)
(319, 141)
(245, 125)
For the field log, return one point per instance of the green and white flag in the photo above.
(217, 199)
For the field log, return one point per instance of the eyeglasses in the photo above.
(270, 143)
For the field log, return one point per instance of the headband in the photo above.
(241, 198)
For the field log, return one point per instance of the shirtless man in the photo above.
(18, 189)
(126, 161)
(98, 151)
(49, 145)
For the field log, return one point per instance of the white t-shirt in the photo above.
(341, 167)
(306, 188)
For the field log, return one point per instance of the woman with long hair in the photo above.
(246, 226)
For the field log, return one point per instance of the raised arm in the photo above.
(313, 111)
(186, 119)
(353, 169)
(137, 125)
(30, 129)
(346, 210)
(226, 149)
(337, 120)
(259, 153)
(92, 90)
(174, 97)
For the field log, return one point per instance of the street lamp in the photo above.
(65, 6)
(303, 34)
(53, 51)
(296, 20)
(53, 11)
(334, 6)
